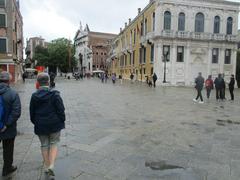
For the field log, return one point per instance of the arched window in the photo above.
(167, 20)
(199, 22)
(229, 25)
(216, 28)
(181, 22)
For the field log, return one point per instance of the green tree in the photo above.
(42, 56)
(61, 51)
(58, 54)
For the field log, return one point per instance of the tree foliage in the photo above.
(57, 54)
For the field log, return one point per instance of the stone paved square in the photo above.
(133, 132)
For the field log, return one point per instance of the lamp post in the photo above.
(165, 54)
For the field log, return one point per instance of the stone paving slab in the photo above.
(113, 130)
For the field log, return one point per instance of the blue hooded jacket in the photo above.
(47, 112)
(12, 111)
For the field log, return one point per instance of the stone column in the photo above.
(234, 61)
(158, 61)
(209, 60)
(187, 63)
(173, 64)
(221, 60)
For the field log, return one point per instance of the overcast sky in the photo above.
(52, 19)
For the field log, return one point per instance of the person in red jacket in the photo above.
(209, 85)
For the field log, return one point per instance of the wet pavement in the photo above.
(133, 132)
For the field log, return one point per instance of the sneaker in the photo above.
(195, 100)
(51, 174)
(6, 172)
(201, 102)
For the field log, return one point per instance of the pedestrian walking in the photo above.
(24, 76)
(199, 86)
(154, 79)
(219, 87)
(52, 78)
(48, 116)
(231, 87)
(106, 77)
(10, 111)
(102, 77)
(131, 77)
(223, 97)
(120, 78)
(113, 78)
(209, 85)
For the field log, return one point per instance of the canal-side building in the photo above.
(178, 39)
(11, 38)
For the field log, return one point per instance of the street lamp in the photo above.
(165, 54)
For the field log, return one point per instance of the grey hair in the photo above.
(43, 79)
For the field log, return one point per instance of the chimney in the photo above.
(120, 30)
(129, 20)
(139, 10)
(125, 24)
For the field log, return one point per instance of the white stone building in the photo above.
(83, 52)
(198, 36)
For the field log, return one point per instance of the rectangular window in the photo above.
(125, 57)
(153, 22)
(140, 56)
(166, 53)
(2, 20)
(2, 3)
(228, 56)
(133, 62)
(145, 29)
(215, 55)
(144, 55)
(152, 70)
(142, 29)
(3, 45)
(152, 53)
(134, 36)
(180, 54)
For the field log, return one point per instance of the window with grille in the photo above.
(180, 54)
(3, 45)
(228, 56)
(215, 55)
(2, 20)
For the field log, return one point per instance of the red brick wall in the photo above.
(12, 71)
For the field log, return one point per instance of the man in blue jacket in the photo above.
(12, 112)
(48, 116)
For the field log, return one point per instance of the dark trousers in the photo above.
(218, 93)
(8, 148)
(154, 83)
(231, 93)
(199, 91)
(208, 92)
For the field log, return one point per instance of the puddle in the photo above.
(226, 122)
(161, 165)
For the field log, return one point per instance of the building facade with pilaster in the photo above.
(189, 36)
(11, 38)
(91, 50)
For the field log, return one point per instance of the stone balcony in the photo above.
(195, 36)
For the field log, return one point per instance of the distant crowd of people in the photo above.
(219, 84)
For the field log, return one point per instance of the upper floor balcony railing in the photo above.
(232, 38)
(196, 35)
(218, 37)
(201, 36)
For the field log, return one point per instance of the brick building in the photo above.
(92, 49)
(32, 43)
(11, 38)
